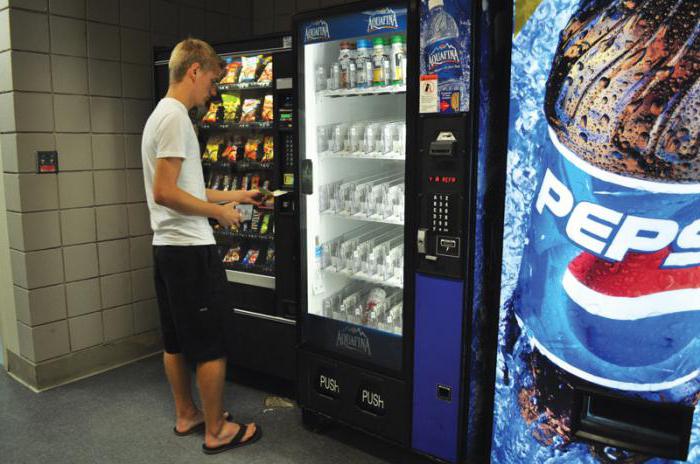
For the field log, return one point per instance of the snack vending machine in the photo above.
(246, 135)
(598, 355)
(393, 144)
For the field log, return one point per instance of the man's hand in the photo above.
(251, 197)
(228, 215)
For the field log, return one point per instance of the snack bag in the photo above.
(266, 73)
(255, 222)
(268, 148)
(230, 153)
(215, 181)
(251, 148)
(267, 108)
(251, 257)
(255, 182)
(212, 113)
(231, 105)
(233, 69)
(226, 182)
(211, 151)
(265, 224)
(249, 68)
(250, 110)
(233, 255)
(244, 182)
(235, 182)
(270, 259)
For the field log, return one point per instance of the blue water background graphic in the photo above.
(533, 49)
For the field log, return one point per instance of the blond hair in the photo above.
(188, 52)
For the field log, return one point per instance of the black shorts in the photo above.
(190, 286)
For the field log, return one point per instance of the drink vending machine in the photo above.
(598, 357)
(246, 136)
(397, 121)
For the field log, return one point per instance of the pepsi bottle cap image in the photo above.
(609, 285)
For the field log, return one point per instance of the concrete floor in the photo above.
(125, 416)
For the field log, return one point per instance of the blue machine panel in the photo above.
(437, 362)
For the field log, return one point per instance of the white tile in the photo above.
(136, 114)
(74, 151)
(137, 80)
(105, 78)
(104, 11)
(139, 219)
(113, 256)
(31, 192)
(112, 222)
(4, 30)
(83, 297)
(74, 8)
(41, 305)
(78, 226)
(33, 231)
(134, 13)
(106, 114)
(29, 31)
(132, 147)
(141, 251)
(7, 116)
(85, 331)
(192, 22)
(80, 262)
(142, 284)
(33, 112)
(118, 322)
(72, 113)
(68, 36)
(146, 316)
(37, 268)
(135, 190)
(103, 41)
(31, 71)
(136, 46)
(75, 189)
(108, 151)
(116, 290)
(69, 74)
(44, 342)
(164, 17)
(110, 187)
(38, 5)
(6, 83)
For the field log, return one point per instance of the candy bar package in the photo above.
(267, 108)
(235, 182)
(231, 105)
(266, 73)
(251, 148)
(226, 182)
(249, 68)
(250, 110)
(215, 183)
(254, 182)
(270, 259)
(268, 148)
(233, 70)
(245, 181)
(211, 151)
(255, 222)
(233, 255)
(251, 257)
(212, 113)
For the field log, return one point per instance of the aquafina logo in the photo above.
(317, 30)
(382, 19)
(443, 59)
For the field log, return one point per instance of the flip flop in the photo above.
(235, 441)
(198, 428)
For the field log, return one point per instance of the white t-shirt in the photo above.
(169, 134)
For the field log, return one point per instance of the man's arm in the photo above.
(167, 193)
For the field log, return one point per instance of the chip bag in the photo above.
(268, 148)
(211, 151)
(249, 68)
(267, 108)
(251, 148)
(250, 110)
(211, 114)
(266, 74)
(233, 70)
(231, 105)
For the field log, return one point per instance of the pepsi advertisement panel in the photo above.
(445, 51)
(601, 251)
(375, 22)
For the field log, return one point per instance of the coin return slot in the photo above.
(444, 393)
(655, 429)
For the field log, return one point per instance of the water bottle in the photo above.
(443, 52)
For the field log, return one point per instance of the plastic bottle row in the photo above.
(365, 64)
(375, 307)
(369, 252)
(371, 138)
(379, 197)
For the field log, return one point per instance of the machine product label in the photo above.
(371, 399)
(327, 384)
(352, 25)
(354, 339)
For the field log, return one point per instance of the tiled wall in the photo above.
(76, 76)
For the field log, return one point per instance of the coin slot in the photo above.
(444, 393)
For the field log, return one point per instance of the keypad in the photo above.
(441, 203)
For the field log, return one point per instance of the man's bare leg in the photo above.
(210, 379)
(186, 412)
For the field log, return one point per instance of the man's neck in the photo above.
(179, 93)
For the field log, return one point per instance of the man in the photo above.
(188, 271)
